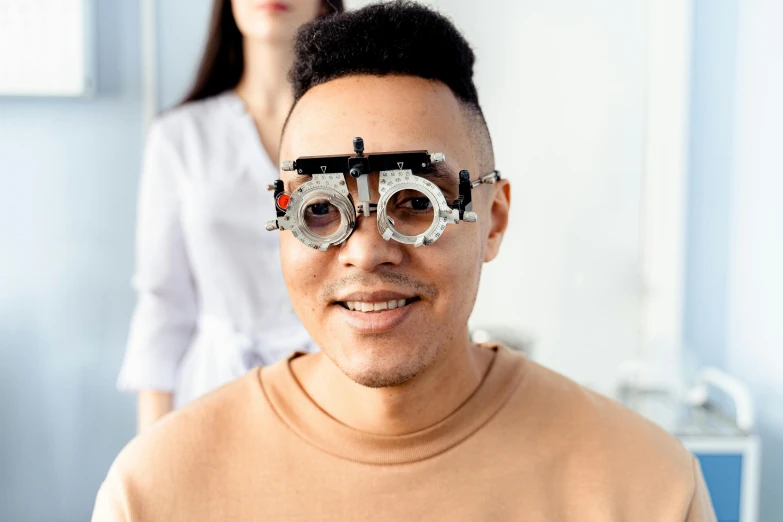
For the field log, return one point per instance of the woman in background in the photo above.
(211, 298)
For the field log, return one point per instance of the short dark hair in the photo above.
(401, 37)
(392, 38)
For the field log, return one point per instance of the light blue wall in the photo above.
(69, 171)
(182, 29)
(734, 281)
(755, 314)
(713, 93)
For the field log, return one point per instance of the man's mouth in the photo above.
(377, 306)
(370, 312)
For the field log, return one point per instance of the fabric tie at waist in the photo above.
(240, 352)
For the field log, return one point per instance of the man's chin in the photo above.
(382, 379)
(377, 368)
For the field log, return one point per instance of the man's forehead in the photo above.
(391, 113)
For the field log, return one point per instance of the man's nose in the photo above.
(367, 250)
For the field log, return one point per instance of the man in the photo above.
(400, 417)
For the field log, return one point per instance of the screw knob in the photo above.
(470, 217)
(358, 146)
(287, 165)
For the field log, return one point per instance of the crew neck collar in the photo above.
(304, 417)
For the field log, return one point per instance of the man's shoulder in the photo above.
(189, 454)
(579, 426)
(595, 455)
(198, 432)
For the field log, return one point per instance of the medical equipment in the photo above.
(411, 209)
(724, 443)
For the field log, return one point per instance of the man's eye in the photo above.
(319, 209)
(418, 204)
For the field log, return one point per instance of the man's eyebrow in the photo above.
(441, 173)
(438, 173)
(298, 180)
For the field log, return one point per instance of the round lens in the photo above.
(410, 212)
(321, 217)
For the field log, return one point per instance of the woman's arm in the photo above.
(166, 311)
(151, 406)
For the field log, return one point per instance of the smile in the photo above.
(378, 306)
(376, 312)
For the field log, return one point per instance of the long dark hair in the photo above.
(223, 60)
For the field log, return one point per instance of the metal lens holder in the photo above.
(330, 187)
(393, 181)
(397, 172)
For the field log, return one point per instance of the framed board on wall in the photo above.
(47, 48)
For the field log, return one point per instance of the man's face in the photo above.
(436, 284)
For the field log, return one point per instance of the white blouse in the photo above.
(211, 298)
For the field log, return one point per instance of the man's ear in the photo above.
(498, 215)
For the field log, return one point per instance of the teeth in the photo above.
(360, 306)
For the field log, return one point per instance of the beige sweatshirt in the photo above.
(528, 445)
